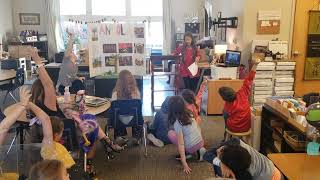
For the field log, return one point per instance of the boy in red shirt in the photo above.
(237, 111)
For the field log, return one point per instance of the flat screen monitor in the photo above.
(233, 58)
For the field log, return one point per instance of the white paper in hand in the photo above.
(193, 68)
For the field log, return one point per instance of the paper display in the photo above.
(193, 68)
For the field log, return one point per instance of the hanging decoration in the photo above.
(86, 22)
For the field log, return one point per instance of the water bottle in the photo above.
(66, 94)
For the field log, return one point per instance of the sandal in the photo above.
(107, 143)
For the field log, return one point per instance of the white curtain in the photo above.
(54, 31)
(168, 36)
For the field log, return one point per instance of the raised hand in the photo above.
(24, 96)
(34, 54)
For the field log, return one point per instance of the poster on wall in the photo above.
(312, 63)
(115, 47)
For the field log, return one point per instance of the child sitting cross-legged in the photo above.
(237, 113)
(186, 134)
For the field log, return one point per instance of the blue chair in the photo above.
(9, 64)
(127, 113)
(10, 87)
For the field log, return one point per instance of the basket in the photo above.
(295, 140)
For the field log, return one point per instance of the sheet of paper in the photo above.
(193, 68)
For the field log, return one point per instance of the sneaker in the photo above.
(188, 156)
(201, 153)
(154, 140)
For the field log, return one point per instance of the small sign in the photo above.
(32, 39)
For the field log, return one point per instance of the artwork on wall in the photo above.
(139, 32)
(29, 18)
(95, 34)
(114, 47)
(125, 48)
(110, 61)
(139, 48)
(109, 48)
(125, 61)
(97, 62)
(312, 63)
(138, 60)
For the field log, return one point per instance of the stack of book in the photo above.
(284, 78)
(263, 83)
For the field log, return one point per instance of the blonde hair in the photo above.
(46, 170)
(126, 86)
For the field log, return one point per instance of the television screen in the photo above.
(233, 58)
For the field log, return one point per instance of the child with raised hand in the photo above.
(186, 134)
(194, 101)
(237, 111)
(49, 170)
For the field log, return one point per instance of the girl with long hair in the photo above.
(186, 134)
(190, 54)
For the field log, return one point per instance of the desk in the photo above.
(6, 75)
(89, 109)
(215, 102)
(297, 166)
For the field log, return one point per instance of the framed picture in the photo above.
(29, 18)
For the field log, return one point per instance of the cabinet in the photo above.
(215, 102)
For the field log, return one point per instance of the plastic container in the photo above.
(66, 94)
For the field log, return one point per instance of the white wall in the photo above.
(183, 8)
(29, 6)
(6, 26)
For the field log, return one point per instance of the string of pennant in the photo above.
(97, 21)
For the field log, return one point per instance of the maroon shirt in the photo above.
(188, 60)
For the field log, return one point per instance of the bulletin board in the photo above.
(269, 22)
(114, 47)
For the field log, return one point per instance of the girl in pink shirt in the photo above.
(190, 54)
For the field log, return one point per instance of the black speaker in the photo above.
(58, 57)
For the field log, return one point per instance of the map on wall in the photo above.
(114, 47)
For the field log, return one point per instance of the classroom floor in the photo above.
(131, 164)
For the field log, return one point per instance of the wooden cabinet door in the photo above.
(299, 46)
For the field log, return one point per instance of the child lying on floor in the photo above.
(186, 134)
(236, 159)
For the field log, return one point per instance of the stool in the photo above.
(245, 136)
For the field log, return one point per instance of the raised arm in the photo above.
(49, 90)
(247, 84)
(45, 121)
(69, 46)
(7, 122)
(200, 92)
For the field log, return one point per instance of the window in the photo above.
(73, 7)
(121, 10)
(109, 7)
(146, 7)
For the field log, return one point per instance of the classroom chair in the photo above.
(10, 87)
(245, 136)
(127, 113)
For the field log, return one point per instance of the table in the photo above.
(297, 166)
(89, 109)
(6, 75)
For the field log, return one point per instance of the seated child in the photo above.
(186, 134)
(236, 159)
(159, 127)
(237, 112)
(194, 101)
(49, 170)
